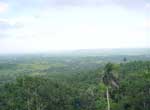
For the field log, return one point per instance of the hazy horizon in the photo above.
(61, 25)
(87, 52)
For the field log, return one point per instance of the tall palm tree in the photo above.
(109, 80)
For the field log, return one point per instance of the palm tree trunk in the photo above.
(28, 104)
(28, 100)
(108, 102)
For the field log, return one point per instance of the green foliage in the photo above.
(73, 84)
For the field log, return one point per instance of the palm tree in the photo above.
(109, 80)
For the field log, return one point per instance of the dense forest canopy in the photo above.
(44, 82)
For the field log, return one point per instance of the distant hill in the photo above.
(104, 52)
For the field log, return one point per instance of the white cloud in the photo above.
(7, 24)
(3, 7)
(147, 5)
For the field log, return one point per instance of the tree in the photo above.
(124, 59)
(109, 80)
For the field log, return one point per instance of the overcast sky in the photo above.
(45, 25)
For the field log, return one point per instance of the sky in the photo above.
(28, 26)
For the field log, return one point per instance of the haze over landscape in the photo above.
(29, 26)
(74, 54)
